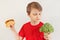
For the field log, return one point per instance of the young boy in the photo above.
(30, 30)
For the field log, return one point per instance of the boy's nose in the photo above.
(38, 17)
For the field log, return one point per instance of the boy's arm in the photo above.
(16, 34)
(21, 38)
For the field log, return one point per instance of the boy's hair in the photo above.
(35, 5)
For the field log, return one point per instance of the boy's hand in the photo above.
(12, 28)
(10, 24)
(46, 36)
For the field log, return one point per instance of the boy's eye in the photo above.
(34, 14)
(39, 14)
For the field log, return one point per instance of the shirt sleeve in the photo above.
(21, 32)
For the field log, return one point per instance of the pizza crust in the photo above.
(9, 23)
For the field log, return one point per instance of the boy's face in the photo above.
(35, 15)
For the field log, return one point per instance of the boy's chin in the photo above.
(37, 20)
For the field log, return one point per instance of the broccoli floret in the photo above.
(47, 28)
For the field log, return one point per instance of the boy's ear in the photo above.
(29, 16)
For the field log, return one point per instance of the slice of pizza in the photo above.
(9, 23)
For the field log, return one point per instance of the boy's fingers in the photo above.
(46, 37)
(10, 26)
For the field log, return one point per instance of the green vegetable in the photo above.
(47, 28)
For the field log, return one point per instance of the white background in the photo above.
(16, 9)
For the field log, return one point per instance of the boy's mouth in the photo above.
(38, 19)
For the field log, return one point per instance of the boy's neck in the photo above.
(34, 22)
